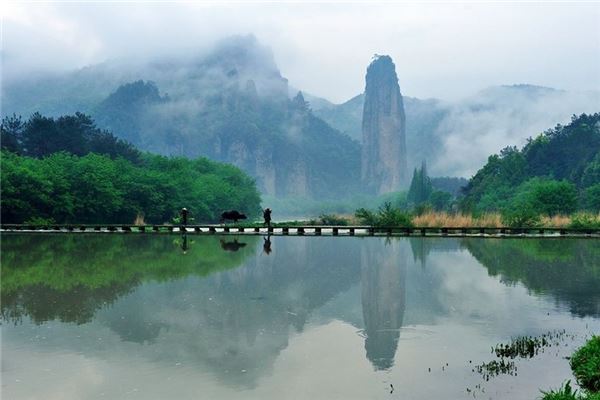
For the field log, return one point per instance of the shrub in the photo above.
(585, 364)
(390, 216)
(521, 217)
(365, 216)
(331, 219)
(386, 215)
(585, 220)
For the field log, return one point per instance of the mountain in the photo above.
(384, 129)
(231, 104)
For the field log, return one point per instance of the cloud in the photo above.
(441, 50)
(498, 117)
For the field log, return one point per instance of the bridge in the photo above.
(307, 230)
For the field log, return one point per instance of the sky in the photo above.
(446, 50)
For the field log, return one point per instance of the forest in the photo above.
(557, 172)
(66, 170)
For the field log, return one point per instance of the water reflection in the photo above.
(184, 243)
(232, 245)
(267, 244)
(567, 270)
(383, 299)
(235, 312)
(70, 277)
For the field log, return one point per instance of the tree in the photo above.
(546, 197)
(12, 133)
(440, 200)
(591, 198)
(420, 186)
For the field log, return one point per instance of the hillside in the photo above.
(560, 166)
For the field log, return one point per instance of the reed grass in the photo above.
(444, 219)
(557, 221)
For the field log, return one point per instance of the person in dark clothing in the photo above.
(267, 217)
(184, 216)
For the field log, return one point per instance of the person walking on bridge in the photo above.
(267, 217)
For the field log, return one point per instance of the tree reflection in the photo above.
(567, 269)
(70, 277)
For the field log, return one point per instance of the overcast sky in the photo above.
(444, 50)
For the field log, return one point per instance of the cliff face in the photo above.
(383, 129)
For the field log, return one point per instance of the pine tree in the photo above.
(420, 186)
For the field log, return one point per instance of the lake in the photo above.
(134, 316)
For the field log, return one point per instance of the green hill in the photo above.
(555, 172)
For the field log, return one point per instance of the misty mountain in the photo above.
(454, 138)
(230, 104)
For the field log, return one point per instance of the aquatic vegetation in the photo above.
(521, 347)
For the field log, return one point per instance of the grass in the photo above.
(566, 392)
(443, 219)
(585, 364)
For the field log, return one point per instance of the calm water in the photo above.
(158, 317)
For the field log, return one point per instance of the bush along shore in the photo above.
(585, 364)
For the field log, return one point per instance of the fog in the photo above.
(492, 119)
(443, 50)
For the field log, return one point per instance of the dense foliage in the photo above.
(97, 189)
(76, 134)
(585, 364)
(555, 173)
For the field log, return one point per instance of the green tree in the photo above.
(440, 201)
(420, 186)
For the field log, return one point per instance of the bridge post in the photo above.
(335, 232)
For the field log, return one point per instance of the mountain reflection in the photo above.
(233, 312)
(383, 299)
